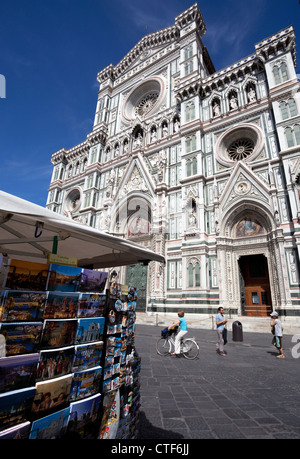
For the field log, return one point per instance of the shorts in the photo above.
(277, 341)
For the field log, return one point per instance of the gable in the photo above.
(136, 179)
(154, 43)
(243, 184)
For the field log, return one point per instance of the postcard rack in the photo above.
(68, 364)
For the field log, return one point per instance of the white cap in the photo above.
(274, 313)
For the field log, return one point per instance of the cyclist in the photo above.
(181, 322)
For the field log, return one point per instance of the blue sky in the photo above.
(52, 50)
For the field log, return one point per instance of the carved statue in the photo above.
(165, 130)
(138, 141)
(176, 125)
(251, 95)
(153, 135)
(192, 219)
(233, 102)
(216, 109)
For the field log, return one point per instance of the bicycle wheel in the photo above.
(163, 346)
(190, 349)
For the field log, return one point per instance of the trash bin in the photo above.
(237, 331)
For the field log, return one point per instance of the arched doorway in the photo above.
(133, 218)
(255, 285)
(138, 230)
(248, 249)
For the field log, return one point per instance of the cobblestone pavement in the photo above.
(249, 394)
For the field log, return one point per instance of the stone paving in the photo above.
(249, 394)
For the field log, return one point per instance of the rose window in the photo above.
(243, 142)
(72, 201)
(240, 149)
(146, 104)
(144, 99)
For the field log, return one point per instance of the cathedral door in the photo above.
(136, 276)
(255, 285)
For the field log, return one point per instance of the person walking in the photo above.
(277, 331)
(220, 322)
(181, 322)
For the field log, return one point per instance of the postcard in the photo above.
(53, 426)
(15, 406)
(106, 385)
(107, 372)
(51, 395)
(18, 432)
(64, 278)
(61, 305)
(111, 415)
(83, 417)
(111, 329)
(85, 383)
(87, 356)
(90, 330)
(91, 305)
(20, 306)
(58, 333)
(17, 372)
(93, 280)
(26, 275)
(55, 363)
(21, 338)
(115, 383)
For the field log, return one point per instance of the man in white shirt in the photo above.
(220, 322)
(277, 327)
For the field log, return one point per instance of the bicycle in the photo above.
(188, 346)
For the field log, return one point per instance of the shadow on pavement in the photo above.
(148, 431)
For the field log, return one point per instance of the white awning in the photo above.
(27, 232)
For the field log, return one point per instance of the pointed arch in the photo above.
(249, 230)
(132, 216)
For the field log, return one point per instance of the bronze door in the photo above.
(136, 276)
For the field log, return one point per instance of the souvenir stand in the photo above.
(69, 368)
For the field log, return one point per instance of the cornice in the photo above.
(154, 41)
(237, 116)
(173, 139)
(231, 72)
(192, 14)
(99, 134)
(139, 51)
(197, 85)
(285, 89)
(284, 38)
(64, 155)
(73, 182)
(78, 150)
(290, 151)
(59, 156)
(187, 88)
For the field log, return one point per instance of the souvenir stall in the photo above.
(68, 363)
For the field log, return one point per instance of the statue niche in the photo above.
(138, 137)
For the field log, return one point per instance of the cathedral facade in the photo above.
(200, 166)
